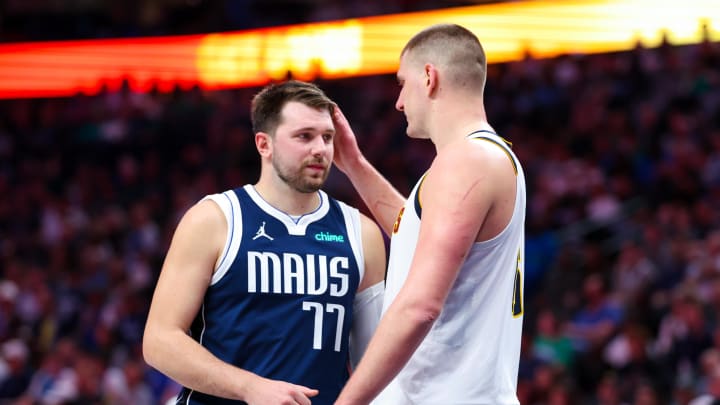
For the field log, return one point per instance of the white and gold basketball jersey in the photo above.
(471, 354)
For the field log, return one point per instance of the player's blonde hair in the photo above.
(455, 50)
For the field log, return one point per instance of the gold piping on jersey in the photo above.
(418, 203)
(507, 152)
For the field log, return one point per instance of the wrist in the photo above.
(357, 165)
(343, 401)
(347, 397)
(245, 383)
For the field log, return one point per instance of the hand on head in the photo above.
(346, 147)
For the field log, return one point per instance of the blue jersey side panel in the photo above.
(283, 310)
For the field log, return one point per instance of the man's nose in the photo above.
(318, 146)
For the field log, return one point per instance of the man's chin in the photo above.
(312, 187)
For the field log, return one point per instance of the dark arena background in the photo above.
(115, 117)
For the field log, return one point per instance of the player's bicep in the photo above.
(455, 200)
(456, 197)
(188, 267)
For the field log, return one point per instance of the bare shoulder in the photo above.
(204, 214)
(474, 157)
(203, 224)
(371, 232)
(474, 174)
(368, 223)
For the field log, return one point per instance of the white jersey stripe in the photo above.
(353, 224)
(230, 206)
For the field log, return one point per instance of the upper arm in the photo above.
(456, 196)
(374, 253)
(188, 267)
(367, 306)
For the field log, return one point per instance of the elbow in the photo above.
(424, 314)
(148, 349)
(147, 352)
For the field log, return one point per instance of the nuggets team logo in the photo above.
(396, 226)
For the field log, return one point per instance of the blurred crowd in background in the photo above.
(37, 20)
(622, 157)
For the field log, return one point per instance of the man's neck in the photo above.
(288, 200)
(456, 121)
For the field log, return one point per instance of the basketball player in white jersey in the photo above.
(453, 310)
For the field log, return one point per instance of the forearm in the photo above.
(400, 332)
(383, 200)
(181, 358)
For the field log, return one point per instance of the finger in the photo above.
(302, 399)
(339, 116)
(310, 392)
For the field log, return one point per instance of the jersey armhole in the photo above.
(353, 226)
(230, 206)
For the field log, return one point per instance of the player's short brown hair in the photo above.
(267, 105)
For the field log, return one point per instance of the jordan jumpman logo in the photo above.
(261, 232)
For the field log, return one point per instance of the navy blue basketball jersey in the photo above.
(280, 300)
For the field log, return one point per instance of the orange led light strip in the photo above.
(363, 46)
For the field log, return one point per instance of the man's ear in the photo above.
(263, 143)
(431, 78)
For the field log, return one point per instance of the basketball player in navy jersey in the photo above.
(268, 290)
(453, 310)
